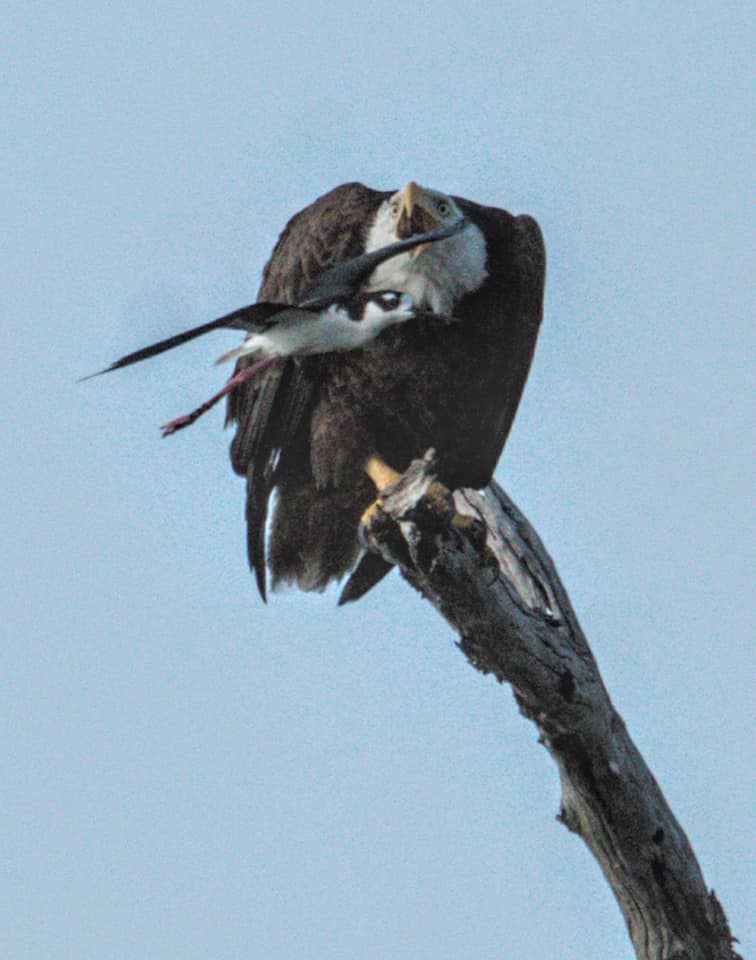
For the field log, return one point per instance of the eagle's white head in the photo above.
(435, 275)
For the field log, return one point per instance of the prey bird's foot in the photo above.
(178, 424)
(247, 373)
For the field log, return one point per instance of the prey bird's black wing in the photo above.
(345, 279)
(342, 281)
(246, 318)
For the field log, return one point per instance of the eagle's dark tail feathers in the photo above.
(314, 533)
(258, 496)
(371, 569)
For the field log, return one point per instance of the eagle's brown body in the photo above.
(308, 427)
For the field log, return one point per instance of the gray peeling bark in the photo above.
(476, 558)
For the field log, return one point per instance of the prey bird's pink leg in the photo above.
(238, 378)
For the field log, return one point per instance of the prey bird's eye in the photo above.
(390, 299)
(444, 208)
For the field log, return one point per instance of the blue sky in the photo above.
(189, 774)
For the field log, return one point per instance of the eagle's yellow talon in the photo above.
(370, 514)
(380, 473)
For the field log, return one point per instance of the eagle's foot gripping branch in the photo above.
(385, 478)
(368, 517)
(415, 496)
(382, 475)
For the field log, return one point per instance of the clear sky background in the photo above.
(189, 774)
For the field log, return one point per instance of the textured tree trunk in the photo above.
(476, 558)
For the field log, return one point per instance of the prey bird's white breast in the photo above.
(299, 332)
(303, 333)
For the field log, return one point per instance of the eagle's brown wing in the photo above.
(270, 415)
(503, 319)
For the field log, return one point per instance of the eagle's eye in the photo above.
(444, 208)
(394, 208)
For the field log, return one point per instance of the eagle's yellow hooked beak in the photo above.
(417, 215)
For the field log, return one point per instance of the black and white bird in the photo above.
(331, 316)
(301, 332)
(343, 325)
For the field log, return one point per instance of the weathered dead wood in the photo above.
(482, 565)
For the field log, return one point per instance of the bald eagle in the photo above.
(326, 433)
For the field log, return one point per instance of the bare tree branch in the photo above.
(476, 558)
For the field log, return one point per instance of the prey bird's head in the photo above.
(351, 323)
(435, 275)
(379, 309)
